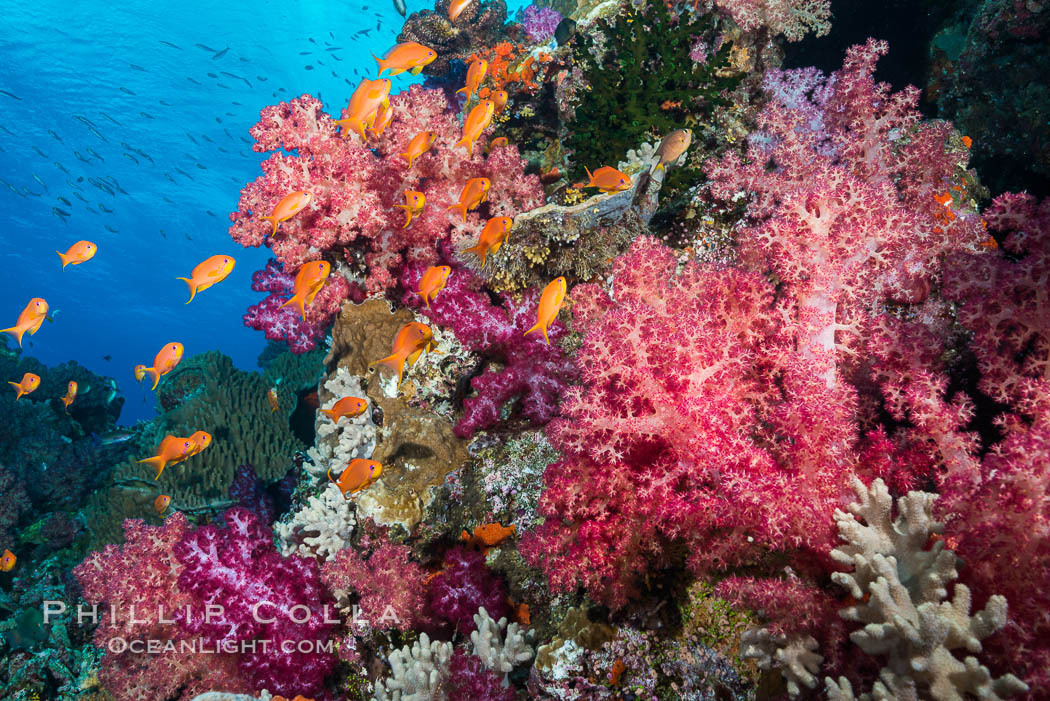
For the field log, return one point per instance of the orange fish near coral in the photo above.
(28, 385)
(271, 396)
(207, 273)
(487, 535)
(608, 179)
(308, 282)
(475, 74)
(71, 394)
(290, 205)
(368, 97)
(7, 561)
(478, 121)
(456, 7)
(384, 115)
(432, 282)
(415, 201)
(172, 449)
(419, 145)
(200, 441)
(140, 372)
(408, 56)
(550, 304)
(29, 320)
(412, 339)
(358, 475)
(492, 237)
(350, 407)
(474, 193)
(160, 504)
(78, 253)
(164, 362)
(498, 142)
(499, 99)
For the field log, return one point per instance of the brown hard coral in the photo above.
(481, 24)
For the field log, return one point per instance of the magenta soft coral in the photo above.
(697, 430)
(530, 371)
(464, 585)
(352, 221)
(238, 568)
(137, 581)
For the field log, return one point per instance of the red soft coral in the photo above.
(389, 585)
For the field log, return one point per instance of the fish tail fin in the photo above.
(274, 221)
(157, 462)
(17, 332)
(395, 362)
(381, 63)
(297, 299)
(18, 388)
(155, 374)
(590, 178)
(426, 299)
(479, 250)
(408, 157)
(460, 207)
(65, 260)
(330, 413)
(541, 328)
(463, 89)
(189, 284)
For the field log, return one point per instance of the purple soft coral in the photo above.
(462, 587)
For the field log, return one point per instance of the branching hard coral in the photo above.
(321, 528)
(698, 432)
(417, 671)
(900, 589)
(500, 646)
(351, 220)
(646, 64)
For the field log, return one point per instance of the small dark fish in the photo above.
(212, 75)
(205, 137)
(55, 136)
(60, 213)
(80, 158)
(104, 208)
(39, 152)
(94, 154)
(138, 67)
(113, 180)
(64, 201)
(202, 167)
(165, 103)
(261, 79)
(334, 74)
(305, 53)
(185, 173)
(131, 158)
(347, 81)
(246, 141)
(242, 59)
(218, 120)
(211, 213)
(166, 198)
(206, 48)
(80, 197)
(565, 31)
(126, 91)
(168, 176)
(192, 139)
(336, 57)
(192, 80)
(378, 26)
(308, 67)
(96, 133)
(42, 184)
(237, 104)
(228, 134)
(188, 237)
(162, 235)
(112, 120)
(334, 48)
(111, 229)
(220, 54)
(7, 130)
(11, 95)
(312, 41)
(60, 167)
(107, 358)
(83, 120)
(221, 85)
(27, 191)
(75, 185)
(147, 116)
(168, 43)
(220, 148)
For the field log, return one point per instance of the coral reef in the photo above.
(482, 23)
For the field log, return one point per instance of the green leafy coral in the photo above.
(643, 82)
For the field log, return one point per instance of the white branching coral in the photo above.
(417, 672)
(794, 655)
(500, 646)
(638, 159)
(337, 443)
(901, 593)
(321, 528)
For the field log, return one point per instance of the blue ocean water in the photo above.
(127, 124)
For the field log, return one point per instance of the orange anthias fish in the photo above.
(78, 253)
(492, 237)
(499, 98)
(415, 201)
(207, 273)
(412, 339)
(474, 193)
(550, 304)
(608, 179)
(487, 535)
(409, 56)
(29, 320)
(308, 282)
(160, 504)
(359, 474)
(271, 396)
(432, 282)
(290, 205)
(478, 121)
(71, 394)
(200, 441)
(140, 372)
(419, 145)
(28, 384)
(7, 561)
(496, 143)
(456, 7)
(350, 407)
(164, 362)
(475, 74)
(368, 97)
(384, 115)
(171, 450)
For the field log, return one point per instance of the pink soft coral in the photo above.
(791, 18)
(389, 585)
(697, 430)
(352, 221)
